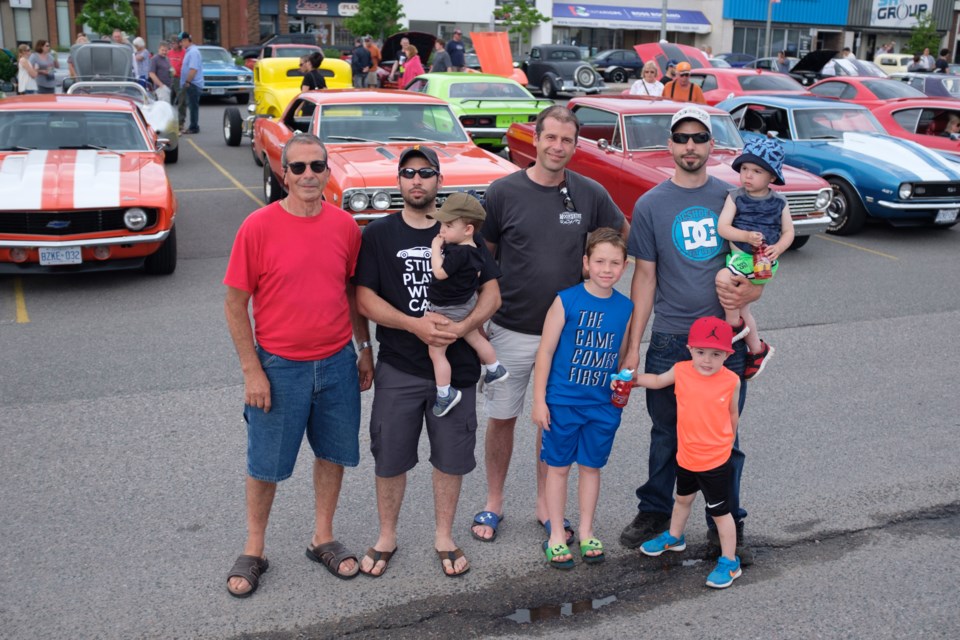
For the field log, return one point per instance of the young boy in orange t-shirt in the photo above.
(707, 415)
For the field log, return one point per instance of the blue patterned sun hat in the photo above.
(766, 152)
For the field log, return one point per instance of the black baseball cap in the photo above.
(426, 153)
(184, 36)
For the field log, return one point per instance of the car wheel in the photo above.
(170, 156)
(163, 261)
(798, 241)
(618, 76)
(546, 88)
(243, 98)
(586, 77)
(846, 212)
(256, 157)
(272, 191)
(232, 126)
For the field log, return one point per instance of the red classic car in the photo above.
(365, 132)
(923, 120)
(623, 146)
(720, 84)
(867, 91)
(82, 187)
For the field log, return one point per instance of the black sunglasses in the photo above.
(317, 166)
(567, 200)
(426, 173)
(701, 137)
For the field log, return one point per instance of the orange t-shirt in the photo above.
(704, 431)
(693, 93)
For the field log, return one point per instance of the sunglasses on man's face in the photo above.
(426, 173)
(701, 137)
(684, 75)
(317, 166)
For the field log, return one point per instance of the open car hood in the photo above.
(493, 51)
(422, 41)
(814, 61)
(663, 53)
(106, 60)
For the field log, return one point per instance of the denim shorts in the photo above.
(319, 397)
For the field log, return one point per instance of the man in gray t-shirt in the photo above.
(537, 225)
(678, 253)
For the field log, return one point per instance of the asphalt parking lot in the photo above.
(121, 470)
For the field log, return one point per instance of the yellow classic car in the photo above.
(276, 82)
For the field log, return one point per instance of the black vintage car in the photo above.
(558, 68)
(618, 65)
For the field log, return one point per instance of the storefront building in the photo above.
(795, 27)
(877, 22)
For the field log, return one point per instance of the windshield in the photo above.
(889, 89)
(293, 52)
(380, 122)
(952, 85)
(823, 123)
(217, 55)
(651, 130)
(769, 82)
(488, 90)
(73, 130)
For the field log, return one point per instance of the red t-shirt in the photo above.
(704, 431)
(176, 59)
(297, 270)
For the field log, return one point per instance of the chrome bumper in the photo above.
(95, 242)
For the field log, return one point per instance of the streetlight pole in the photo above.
(663, 21)
(769, 18)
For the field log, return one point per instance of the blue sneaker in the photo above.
(445, 404)
(663, 542)
(726, 572)
(493, 377)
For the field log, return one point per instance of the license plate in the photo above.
(217, 91)
(51, 256)
(946, 215)
(506, 121)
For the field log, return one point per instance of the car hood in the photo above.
(79, 179)
(371, 166)
(220, 68)
(902, 158)
(422, 41)
(102, 60)
(662, 53)
(814, 61)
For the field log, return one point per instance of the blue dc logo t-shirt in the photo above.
(695, 233)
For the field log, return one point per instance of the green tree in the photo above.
(924, 36)
(519, 17)
(103, 16)
(379, 18)
(8, 68)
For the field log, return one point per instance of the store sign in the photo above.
(21, 4)
(319, 8)
(348, 9)
(898, 13)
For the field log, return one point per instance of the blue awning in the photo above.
(633, 18)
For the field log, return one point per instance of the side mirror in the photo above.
(602, 144)
(162, 143)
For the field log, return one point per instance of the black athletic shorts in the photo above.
(714, 484)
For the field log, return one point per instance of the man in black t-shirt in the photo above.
(360, 63)
(392, 277)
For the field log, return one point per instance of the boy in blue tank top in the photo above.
(580, 348)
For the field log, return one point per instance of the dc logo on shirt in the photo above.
(695, 233)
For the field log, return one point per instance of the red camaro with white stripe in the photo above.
(82, 187)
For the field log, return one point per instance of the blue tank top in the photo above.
(589, 346)
(758, 214)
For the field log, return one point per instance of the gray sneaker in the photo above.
(744, 551)
(497, 376)
(644, 527)
(445, 404)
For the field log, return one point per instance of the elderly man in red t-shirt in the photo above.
(295, 258)
(175, 55)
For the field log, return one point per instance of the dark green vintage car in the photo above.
(485, 104)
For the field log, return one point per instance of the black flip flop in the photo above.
(250, 568)
(331, 555)
(378, 556)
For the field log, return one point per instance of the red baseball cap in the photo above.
(711, 333)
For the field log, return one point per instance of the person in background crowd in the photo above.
(81, 39)
(119, 37)
(916, 65)
(397, 68)
(927, 60)
(141, 60)
(176, 54)
(456, 50)
(412, 68)
(847, 54)
(942, 65)
(441, 59)
(781, 64)
(310, 65)
(681, 89)
(670, 73)
(373, 81)
(191, 82)
(647, 85)
(360, 63)
(26, 72)
(160, 74)
(44, 61)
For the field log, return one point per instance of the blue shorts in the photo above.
(319, 397)
(582, 434)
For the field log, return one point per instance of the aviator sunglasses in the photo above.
(426, 173)
(317, 166)
(567, 200)
(701, 137)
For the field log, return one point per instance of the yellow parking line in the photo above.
(199, 189)
(21, 303)
(856, 246)
(229, 177)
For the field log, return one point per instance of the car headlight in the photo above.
(823, 199)
(906, 190)
(135, 219)
(381, 200)
(358, 201)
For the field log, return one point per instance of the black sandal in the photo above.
(331, 555)
(250, 568)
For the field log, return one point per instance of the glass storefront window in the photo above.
(211, 24)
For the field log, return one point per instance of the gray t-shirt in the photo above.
(677, 229)
(160, 65)
(441, 62)
(45, 70)
(540, 244)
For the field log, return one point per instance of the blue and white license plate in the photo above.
(945, 216)
(52, 256)
(217, 91)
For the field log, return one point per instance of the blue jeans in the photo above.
(656, 494)
(193, 105)
(319, 397)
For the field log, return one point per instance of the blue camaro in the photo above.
(874, 175)
(224, 77)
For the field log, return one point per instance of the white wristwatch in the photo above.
(366, 344)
